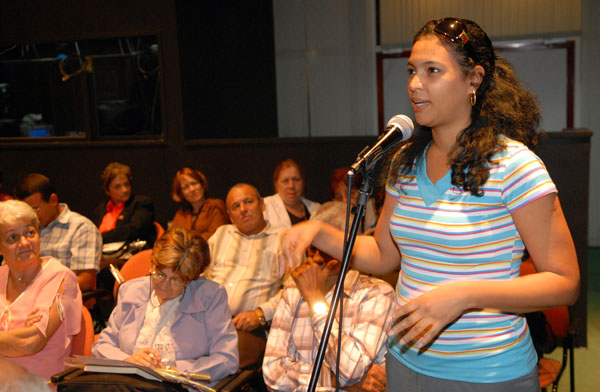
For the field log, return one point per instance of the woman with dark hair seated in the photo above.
(173, 318)
(197, 212)
(124, 216)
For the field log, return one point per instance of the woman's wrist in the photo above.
(467, 295)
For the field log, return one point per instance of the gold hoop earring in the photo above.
(473, 98)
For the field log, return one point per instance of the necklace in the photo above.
(23, 277)
(196, 214)
(19, 279)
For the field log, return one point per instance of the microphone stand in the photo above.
(363, 197)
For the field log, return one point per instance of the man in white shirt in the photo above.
(246, 260)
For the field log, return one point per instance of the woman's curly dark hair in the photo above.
(503, 107)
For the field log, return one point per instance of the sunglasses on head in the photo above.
(455, 31)
(452, 29)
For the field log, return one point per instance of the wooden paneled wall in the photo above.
(400, 19)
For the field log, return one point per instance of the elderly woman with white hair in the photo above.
(40, 301)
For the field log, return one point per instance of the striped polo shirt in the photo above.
(446, 235)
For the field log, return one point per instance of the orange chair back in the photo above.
(550, 370)
(527, 267)
(82, 342)
(159, 229)
(138, 265)
(557, 317)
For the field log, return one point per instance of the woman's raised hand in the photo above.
(296, 239)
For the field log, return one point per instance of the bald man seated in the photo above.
(246, 259)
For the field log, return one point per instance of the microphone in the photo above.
(398, 129)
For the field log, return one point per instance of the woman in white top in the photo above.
(287, 206)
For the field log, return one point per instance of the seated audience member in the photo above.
(338, 191)
(173, 318)
(197, 212)
(40, 301)
(65, 235)
(300, 320)
(124, 216)
(246, 260)
(288, 206)
(15, 378)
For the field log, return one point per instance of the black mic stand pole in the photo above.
(363, 197)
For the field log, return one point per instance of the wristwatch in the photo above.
(320, 308)
(261, 317)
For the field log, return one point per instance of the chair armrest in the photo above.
(96, 293)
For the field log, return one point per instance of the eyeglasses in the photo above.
(455, 31)
(160, 277)
(452, 29)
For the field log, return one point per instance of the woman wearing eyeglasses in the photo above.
(464, 198)
(173, 318)
(40, 301)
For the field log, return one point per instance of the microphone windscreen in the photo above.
(404, 123)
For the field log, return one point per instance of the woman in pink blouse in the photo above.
(40, 301)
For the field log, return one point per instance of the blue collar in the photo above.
(429, 191)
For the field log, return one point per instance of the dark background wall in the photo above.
(227, 54)
(192, 107)
(223, 88)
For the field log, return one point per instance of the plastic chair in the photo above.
(99, 302)
(90, 297)
(159, 229)
(82, 342)
(138, 265)
(560, 331)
